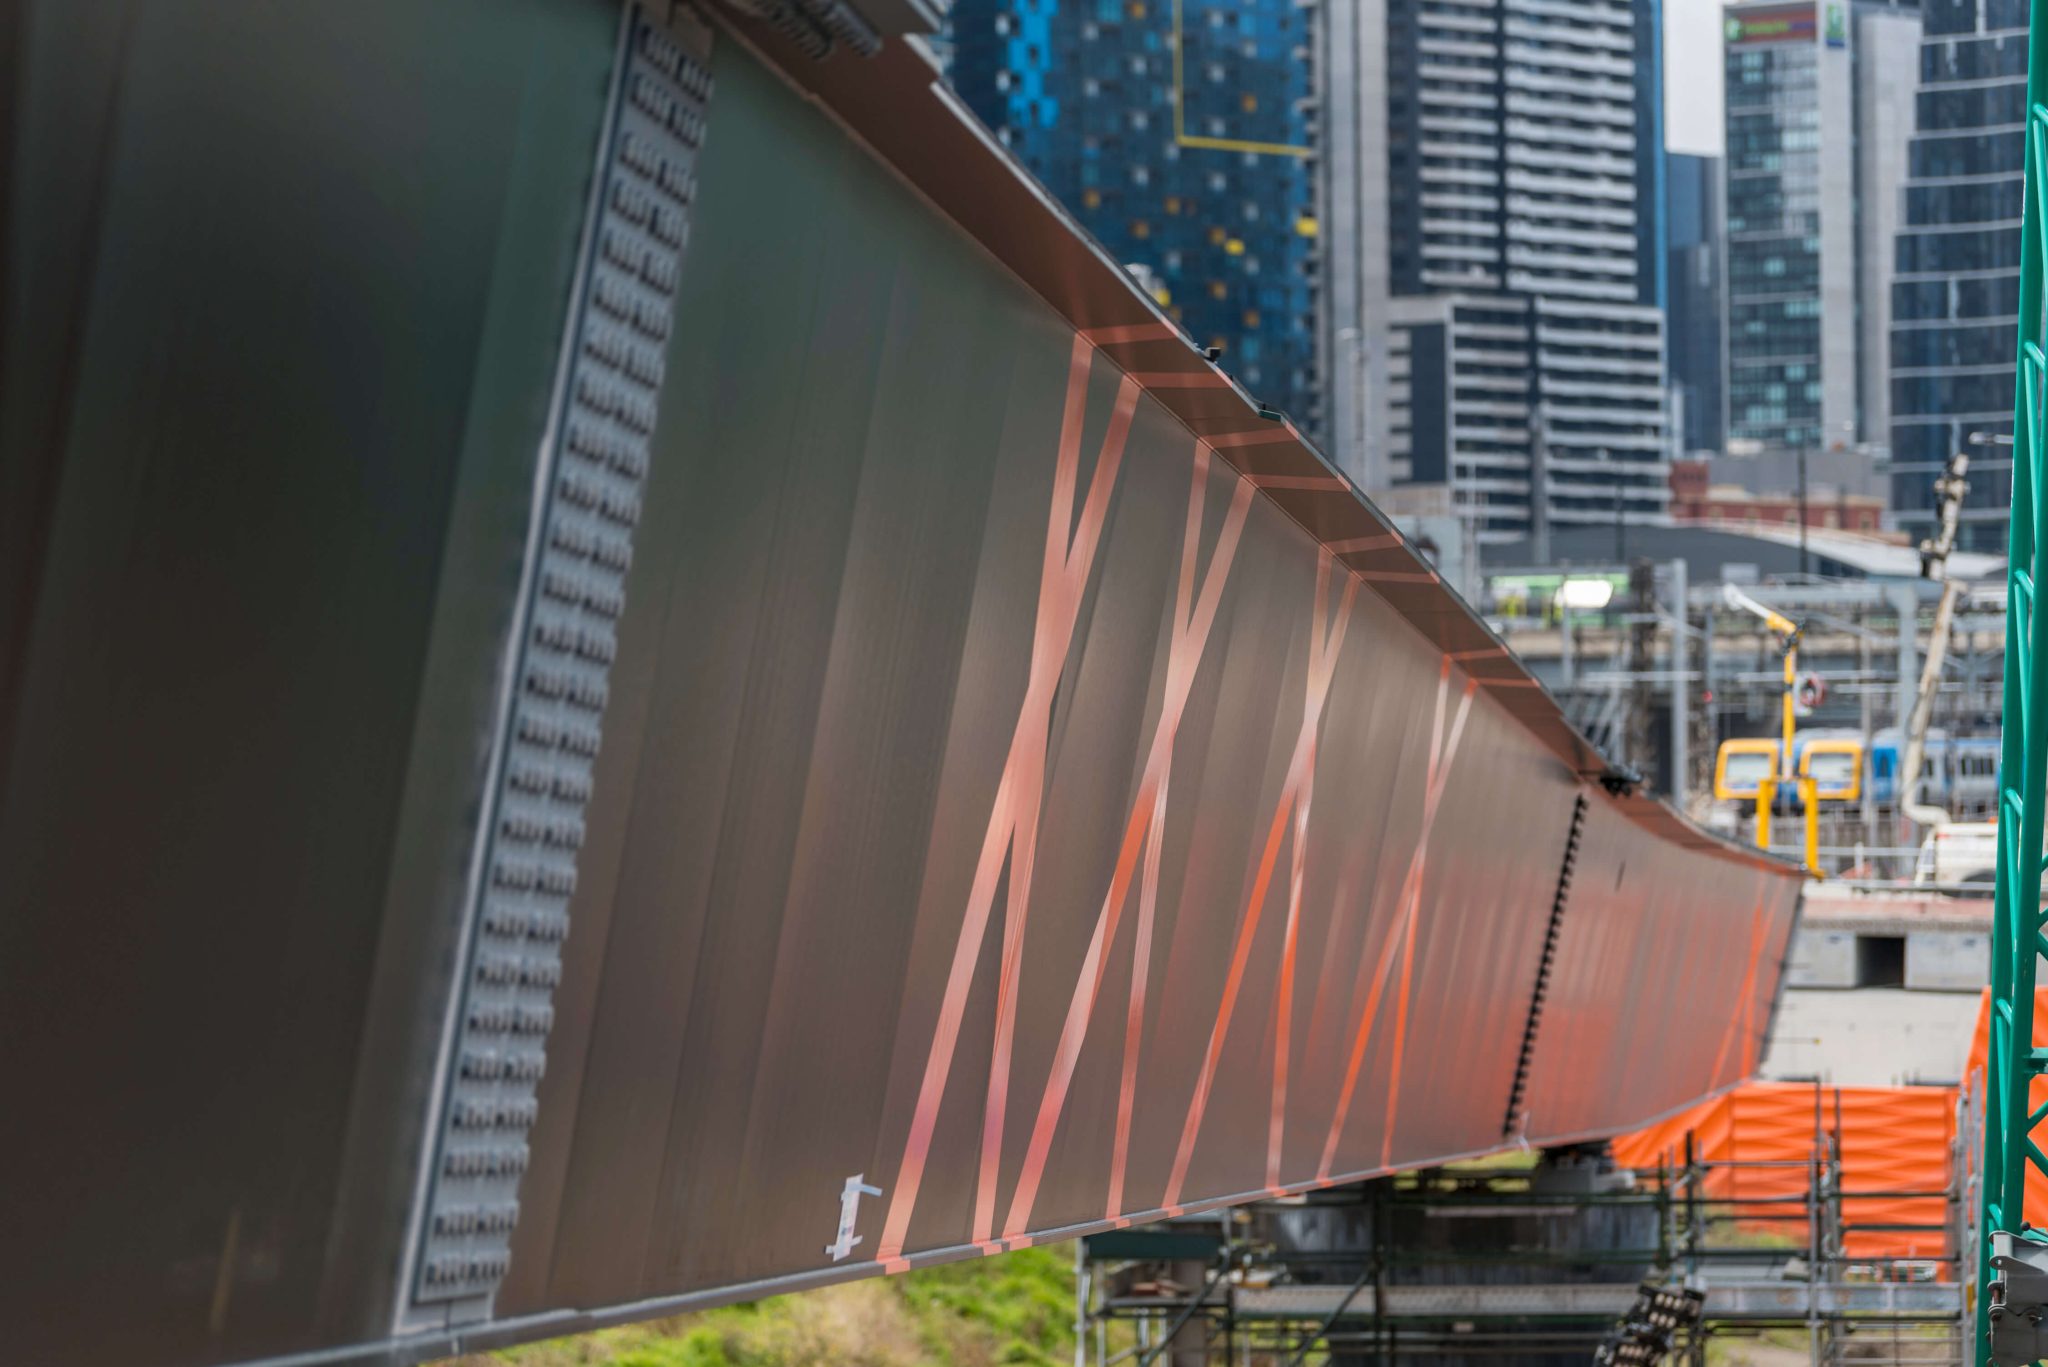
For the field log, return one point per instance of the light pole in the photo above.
(1681, 697)
(1805, 562)
(1750, 448)
(1353, 341)
(1620, 532)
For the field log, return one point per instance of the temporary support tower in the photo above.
(2006, 1330)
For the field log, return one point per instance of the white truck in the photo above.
(1960, 852)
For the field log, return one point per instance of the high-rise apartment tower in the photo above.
(1493, 206)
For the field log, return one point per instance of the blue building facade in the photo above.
(1179, 133)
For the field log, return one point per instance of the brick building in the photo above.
(1697, 501)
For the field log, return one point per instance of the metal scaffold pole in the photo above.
(2009, 1308)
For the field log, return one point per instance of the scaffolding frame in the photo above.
(1354, 1307)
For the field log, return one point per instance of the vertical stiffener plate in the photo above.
(588, 501)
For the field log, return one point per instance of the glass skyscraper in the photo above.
(1179, 133)
(1815, 157)
(1955, 300)
(1773, 148)
(1693, 314)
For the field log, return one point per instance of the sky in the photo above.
(1692, 76)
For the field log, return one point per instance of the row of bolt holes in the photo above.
(497, 1160)
(458, 1268)
(639, 208)
(649, 319)
(548, 928)
(505, 1019)
(621, 510)
(538, 780)
(595, 645)
(672, 61)
(587, 592)
(653, 267)
(512, 970)
(526, 830)
(611, 346)
(555, 685)
(458, 1222)
(619, 454)
(608, 399)
(488, 1065)
(607, 552)
(518, 876)
(665, 109)
(491, 1115)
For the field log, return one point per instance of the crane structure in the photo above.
(1934, 553)
(1788, 633)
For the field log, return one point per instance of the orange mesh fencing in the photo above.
(2036, 1203)
(1894, 1139)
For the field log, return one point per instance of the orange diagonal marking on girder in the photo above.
(1757, 927)
(1012, 833)
(1420, 862)
(1134, 1014)
(1283, 1004)
(1283, 997)
(1326, 640)
(1443, 749)
(1394, 935)
(1193, 616)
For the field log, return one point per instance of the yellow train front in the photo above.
(1833, 759)
(1854, 777)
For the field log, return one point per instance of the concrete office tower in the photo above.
(1493, 200)
(1693, 316)
(1180, 135)
(1816, 161)
(1955, 299)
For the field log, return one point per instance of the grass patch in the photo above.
(1012, 1310)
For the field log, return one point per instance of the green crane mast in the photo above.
(2011, 1260)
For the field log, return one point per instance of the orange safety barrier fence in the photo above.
(1894, 1139)
(2035, 1205)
